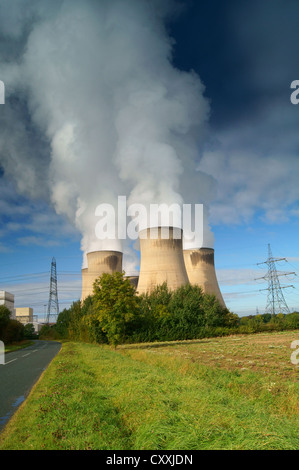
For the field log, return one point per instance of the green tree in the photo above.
(63, 322)
(75, 322)
(29, 332)
(14, 332)
(47, 332)
(115, 305)
(4, 320)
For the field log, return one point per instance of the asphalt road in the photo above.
(20, 372)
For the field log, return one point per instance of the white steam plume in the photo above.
(95, 109)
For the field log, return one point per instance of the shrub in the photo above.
(114, 305)
(116, 314)
(13, 332)
(48, 332)
(4, 320)
(29, 332)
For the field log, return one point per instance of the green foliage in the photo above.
(267, 322)
(183, 314)
(4, 319)
(62, 324)
(29, 332)
(10, 330)
(14, 331)
(114, 305)
(48, 332)
(115, 314)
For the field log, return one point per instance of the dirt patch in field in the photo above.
(268, 353)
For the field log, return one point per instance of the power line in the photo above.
(22, 277)
(276, 302)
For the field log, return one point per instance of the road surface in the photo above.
(20, 372)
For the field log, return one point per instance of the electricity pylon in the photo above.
(53, 307)
(275, 302)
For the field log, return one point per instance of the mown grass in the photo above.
(19, 345)
(183, 396)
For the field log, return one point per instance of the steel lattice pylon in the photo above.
(276, 302)
(53, 307)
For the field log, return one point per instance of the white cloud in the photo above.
(241, 276)
(250, 180)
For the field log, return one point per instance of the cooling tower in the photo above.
(201, 270)
(133, 280)
(99, 262)
(162, 260)
(84, 272)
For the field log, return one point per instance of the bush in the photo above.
(13, 332)
(10, 330)
(186, 313)
(4, 320)
(114, 306)
(48, 332)
(116, 314)
(29, 332)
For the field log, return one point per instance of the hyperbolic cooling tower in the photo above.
(133, 280)
(84, 272)
(201, 271)
(99, 262)
(162, 260)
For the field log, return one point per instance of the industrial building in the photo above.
(200, 268)
(162, 259)
(99, 262)
(24, 315)
(8, 299)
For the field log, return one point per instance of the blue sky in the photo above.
(246, 55)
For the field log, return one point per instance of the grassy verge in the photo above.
(222, 393)
(16, 346)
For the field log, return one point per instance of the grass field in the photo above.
(238, 392)
(16, 346)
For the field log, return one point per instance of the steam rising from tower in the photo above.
(101, 111)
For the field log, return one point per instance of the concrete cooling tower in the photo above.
(201, 271)
(162, 260)
(99, 262)
(133, 280)
(84, 283)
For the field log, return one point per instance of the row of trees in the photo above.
(12, 331)
(115, 314)
(268, 322)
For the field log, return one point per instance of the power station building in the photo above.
(162, 259)
(25, 315)
(8, 300)
(99, 262)
(200, 268)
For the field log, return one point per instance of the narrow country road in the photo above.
(20, 372)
